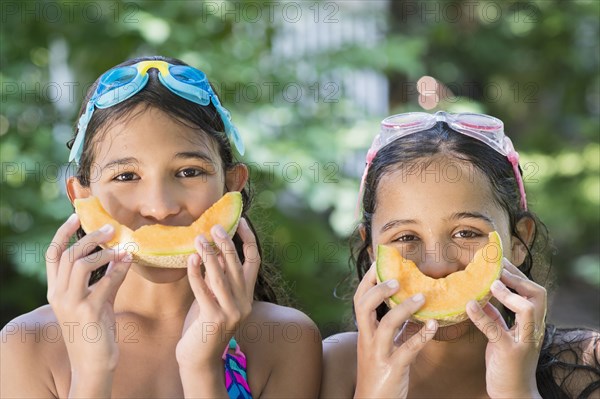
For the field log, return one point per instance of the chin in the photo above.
(159, 275)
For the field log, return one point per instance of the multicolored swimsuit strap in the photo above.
(236, 379)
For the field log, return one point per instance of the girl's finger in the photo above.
(109, 284)
(201, 291)
(512, 268)
(219, 283)
(523, 286)
(251, 256)
(58, 245)
(393, 321)
(411, 348)
(523, 308)
(83, 268)
(232, 264)
(495, 314)
(492, 326)
(368, 281)
(365, 307)
(80, 249)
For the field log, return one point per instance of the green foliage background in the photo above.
(534, 64)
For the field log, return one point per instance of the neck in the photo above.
(154, 293)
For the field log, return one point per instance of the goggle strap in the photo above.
(361, 191)
(232, 133)
(369, 160)
(513, 158)
(77, 147)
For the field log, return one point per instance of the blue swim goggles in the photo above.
(119, 84)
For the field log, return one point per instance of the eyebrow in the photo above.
(194, 155)
(391, 224)
(120, 162)
(471, 215)
(460, 215)
(182, 155)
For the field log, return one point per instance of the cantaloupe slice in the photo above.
(445, 298)
(159, 245)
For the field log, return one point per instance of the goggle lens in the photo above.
(187, 75)
(116, 78)
(480, 122)
(405, 121)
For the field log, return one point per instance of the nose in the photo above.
(440, 259)
(158, 202)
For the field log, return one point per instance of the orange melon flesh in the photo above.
(159, 245)
(445, 298)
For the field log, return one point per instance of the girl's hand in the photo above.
(223, 299)
(383, 367)
(512, 354)
(85, 313)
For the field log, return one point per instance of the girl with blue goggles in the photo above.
(158, 151)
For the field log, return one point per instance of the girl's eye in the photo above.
(467, 234)
(405, 238)
(190, 172)
(127, 176)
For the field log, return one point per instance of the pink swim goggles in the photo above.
(482, 127)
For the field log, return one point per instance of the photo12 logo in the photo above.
(71, 331)
(454, 12)
(53, 12)
(271, 11)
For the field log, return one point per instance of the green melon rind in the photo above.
(447, 317)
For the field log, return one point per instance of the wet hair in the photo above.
(421, 149)
(203, 119)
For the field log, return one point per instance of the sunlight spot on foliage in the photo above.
(21, 221)
(588, 267)
(50, 190)
(39, 56)
(590, 188)
(266, 199)
(154, 30)
(591, 155)
(569, 163)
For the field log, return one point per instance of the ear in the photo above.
(236, 177)
(362, 230)
(76, 190)
(526, 230)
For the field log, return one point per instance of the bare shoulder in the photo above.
(292, 324)
(341, 346)
(31, 331)
(29, 346)
(339, 365)
(289, 345)
(281, 328)
(576, 361)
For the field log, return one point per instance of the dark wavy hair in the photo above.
(204, 118)
(422, 148)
